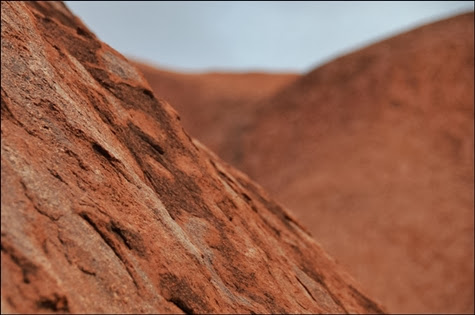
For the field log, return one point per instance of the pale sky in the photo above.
(252, 36)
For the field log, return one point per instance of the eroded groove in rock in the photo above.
(134, 217)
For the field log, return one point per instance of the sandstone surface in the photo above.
(109, 206)
(374, 149)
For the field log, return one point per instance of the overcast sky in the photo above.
(242, 36)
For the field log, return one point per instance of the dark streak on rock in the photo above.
(57, 303)
(88, 272)
(131, 239)
(148, 93)
(27, 267)
(110, 243)
(100, 150)
(179, 292)
(56, 175)
(120, 233)
(82, 32)
(146, 138)
(181, 305)
(320, 279)
(367, 303)
(306, 289)
(78, 159)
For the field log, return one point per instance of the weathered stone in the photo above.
(109, 206)
(373, 149)
(379, 143)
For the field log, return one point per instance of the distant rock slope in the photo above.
(109, 206)
(375, 149)
(215, 107)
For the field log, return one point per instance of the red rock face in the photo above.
(216, 107)
(375, 149)
(109, 206)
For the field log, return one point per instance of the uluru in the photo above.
(110, 206)
(373, 153)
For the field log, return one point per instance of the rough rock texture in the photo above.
(375, 149)
(109, 206)
(215, 106)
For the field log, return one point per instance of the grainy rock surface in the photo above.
(375, 149)
(109, 206)
(216, 106)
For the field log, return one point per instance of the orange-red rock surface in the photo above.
(215, 106)
(375, 149)
(109, 206)
(374, 153)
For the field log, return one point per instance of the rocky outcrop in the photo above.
(215, 106)
(375, 149)
(109, 206)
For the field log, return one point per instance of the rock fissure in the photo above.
(181, 305)
(306, 289)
